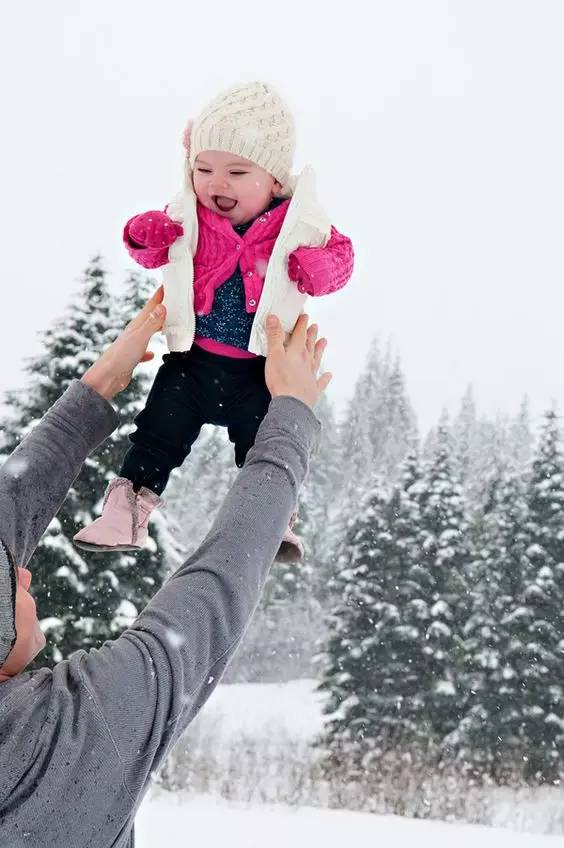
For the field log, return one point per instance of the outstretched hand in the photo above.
(112, 372)
(292, 364)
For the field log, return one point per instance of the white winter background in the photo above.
(437, 131)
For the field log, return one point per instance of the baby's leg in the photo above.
(167, 427)
(246, 415)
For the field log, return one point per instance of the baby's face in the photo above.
(231, 186)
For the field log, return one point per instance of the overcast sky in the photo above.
(436, 130)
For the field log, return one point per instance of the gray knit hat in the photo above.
(251, 121)
(8, 584)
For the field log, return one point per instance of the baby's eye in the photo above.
(238, 173)
(204, 170)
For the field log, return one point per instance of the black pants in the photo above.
(192, 389)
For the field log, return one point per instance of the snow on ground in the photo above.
(256, 737)
(181, 821)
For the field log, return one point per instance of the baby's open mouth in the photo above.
(224, 204)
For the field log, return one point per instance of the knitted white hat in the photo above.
(251, 121)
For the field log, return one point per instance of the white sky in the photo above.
(436, 129)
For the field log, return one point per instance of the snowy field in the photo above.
(280, 720)
(265, 711)
(183, 822)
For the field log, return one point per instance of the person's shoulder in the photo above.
(25, 694)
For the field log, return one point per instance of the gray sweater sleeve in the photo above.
(36, 478)
(78, 743)
(151, 682)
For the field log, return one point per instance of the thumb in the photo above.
(274, 335)
(24, 577)
(324, 381)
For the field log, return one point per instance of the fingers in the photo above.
(153, 322)
(149, 307)
(155, 319)
(324, 381)
(311, 337)
(319, 350)
(299, 333)
(274, 336)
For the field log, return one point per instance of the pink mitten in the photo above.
(294, 269)
(154, 229)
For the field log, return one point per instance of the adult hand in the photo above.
(292, 366)
(114, 369)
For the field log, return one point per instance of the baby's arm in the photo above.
(147, 238)
(322, 270)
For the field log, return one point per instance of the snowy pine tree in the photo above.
(82, 598)
(379, 424)
(515, 715)
(412, 678)
(347, 675)
(489, 739)
(464, 434)
(521, 439)
(542, 716)
(394, 427)
(375, 434)
(376, 666)
(481, 449)
(442, 572)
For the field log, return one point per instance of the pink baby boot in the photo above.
(124, 520)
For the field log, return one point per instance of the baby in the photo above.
(244, 238)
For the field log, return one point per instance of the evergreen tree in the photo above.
(393, 421)
(357, 456)
(464, 432)
(379, 425)
(442, 572)
(347, 675)
(376, 666)
(489, 738)
(481, 449)
(82, 598)
(413, 674)
(515, 717)
(542, 716)
(521, 439)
